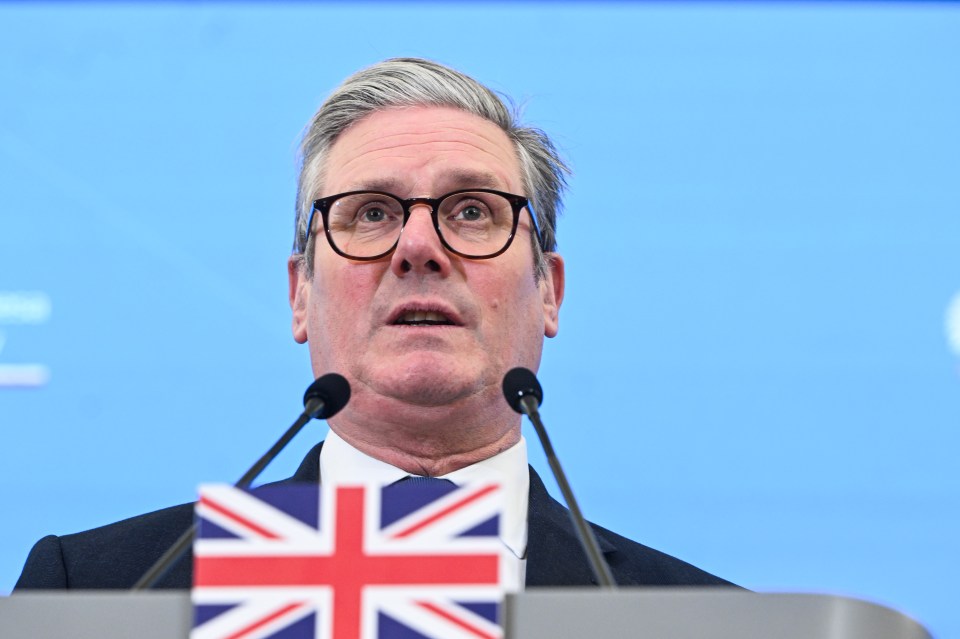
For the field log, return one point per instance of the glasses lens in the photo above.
(475, 223)
(365, 224)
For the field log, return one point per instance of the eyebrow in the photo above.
(465, 178)
(452, 180)
(390, 185)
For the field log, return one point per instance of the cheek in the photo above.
(339, 282)
(339, 300)
(515, 312)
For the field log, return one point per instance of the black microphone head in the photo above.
(519, 383)
(332, 391)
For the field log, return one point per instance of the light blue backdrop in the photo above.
(762, 240)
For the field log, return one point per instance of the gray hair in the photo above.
(409, 82)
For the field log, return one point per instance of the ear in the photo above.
(299, 294)
(551, 292)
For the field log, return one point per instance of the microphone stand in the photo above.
(325, 397)
(524, 394)
(179, 547)
(587, 539)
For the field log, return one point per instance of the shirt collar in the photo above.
(343, 464)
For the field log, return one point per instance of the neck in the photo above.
(428, 441)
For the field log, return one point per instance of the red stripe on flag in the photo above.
(262, 622)
(440, 612)
(446, 511)
(243, 521)
(345, 570)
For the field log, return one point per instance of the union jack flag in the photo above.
(349, 562)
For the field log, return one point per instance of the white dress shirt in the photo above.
(343, 464)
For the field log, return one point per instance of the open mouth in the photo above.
(423, 318)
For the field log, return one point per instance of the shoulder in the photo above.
(112, 556)
(117, 555)
(552, 536)
(636, 564)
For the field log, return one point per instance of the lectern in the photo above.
(549, 613)
(699, 613)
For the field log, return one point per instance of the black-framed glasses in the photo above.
(473, 223)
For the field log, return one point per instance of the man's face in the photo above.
(357, 316)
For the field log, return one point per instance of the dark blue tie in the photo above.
(416, 480)
(406, 495)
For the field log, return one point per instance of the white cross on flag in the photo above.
(407, 561)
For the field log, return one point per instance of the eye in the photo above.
(470, 213)
(372, 208)
(372, 214)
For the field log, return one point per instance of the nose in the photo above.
(419, 249)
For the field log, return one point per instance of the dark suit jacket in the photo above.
(115, 556)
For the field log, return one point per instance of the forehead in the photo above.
(422, 151)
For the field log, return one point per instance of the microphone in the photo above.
(324, 398)
(524, 394)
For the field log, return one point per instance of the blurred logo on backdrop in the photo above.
(17, 310)
(953, 324)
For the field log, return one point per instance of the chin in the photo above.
(429, 380)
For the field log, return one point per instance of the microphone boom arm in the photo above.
(324, 398)
(179, 547)
(588, 540)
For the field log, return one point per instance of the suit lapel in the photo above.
(309, 470)
(554, 554)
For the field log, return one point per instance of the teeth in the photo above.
(423, 316)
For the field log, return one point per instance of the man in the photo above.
(423, 270)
